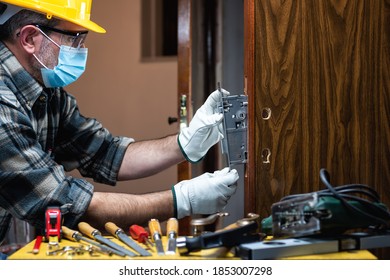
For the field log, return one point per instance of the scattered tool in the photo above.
(155, 232)
(336, 209)
(139, 234)
(37, 244)
(251, 217)
(210, 223)
(172, 230)
(121, 235)
(53, 221)
(289, 247)
(74, 235)
(96, 234)
(223, 238)
(73, 250)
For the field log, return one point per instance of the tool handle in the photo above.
(138, 233)
(37, 244)
(224, 238)
(172, 226)
(88, 230)
(69, 233)
(155, 229)
(112, 228)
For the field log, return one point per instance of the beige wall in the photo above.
(129, 97)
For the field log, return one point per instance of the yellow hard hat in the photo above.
(76, 11)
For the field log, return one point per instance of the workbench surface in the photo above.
(218, 253)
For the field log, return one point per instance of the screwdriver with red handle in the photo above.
(140, 234)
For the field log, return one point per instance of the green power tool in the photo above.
(334, 210)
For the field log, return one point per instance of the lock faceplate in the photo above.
(235, 126)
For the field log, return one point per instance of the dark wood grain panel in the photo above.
(322, 68)
(276, 53)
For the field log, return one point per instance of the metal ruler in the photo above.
(290, 247)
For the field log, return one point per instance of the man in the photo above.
(43, 134)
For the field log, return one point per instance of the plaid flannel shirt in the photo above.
(42, 136)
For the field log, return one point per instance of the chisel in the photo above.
(155, 232)
(74, 235)
(96, 234)
(172, 229)
(121, 235)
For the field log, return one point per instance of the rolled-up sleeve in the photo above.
(104, 168)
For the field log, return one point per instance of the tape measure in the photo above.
(53, 223)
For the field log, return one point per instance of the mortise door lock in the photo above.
(235, 126)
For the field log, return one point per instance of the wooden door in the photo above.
(318, 85)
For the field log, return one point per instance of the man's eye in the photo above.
(68, 39)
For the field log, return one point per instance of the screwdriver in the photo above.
(140, 234)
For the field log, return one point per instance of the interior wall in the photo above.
(130, 97)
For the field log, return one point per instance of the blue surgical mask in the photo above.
(71, 65)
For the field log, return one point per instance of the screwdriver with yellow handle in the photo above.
(155, 232)
(74, 235)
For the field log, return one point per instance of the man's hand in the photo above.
(206, 194)
(204, 130)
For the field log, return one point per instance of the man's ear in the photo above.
(29, 39)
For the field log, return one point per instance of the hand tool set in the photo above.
(139, 243)
(143, 242)
(243, 239)
(327, 221)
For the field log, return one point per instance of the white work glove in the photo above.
(204, 130)
(206, 194)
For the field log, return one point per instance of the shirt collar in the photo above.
(18, 80)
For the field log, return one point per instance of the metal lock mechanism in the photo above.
(235, 126)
